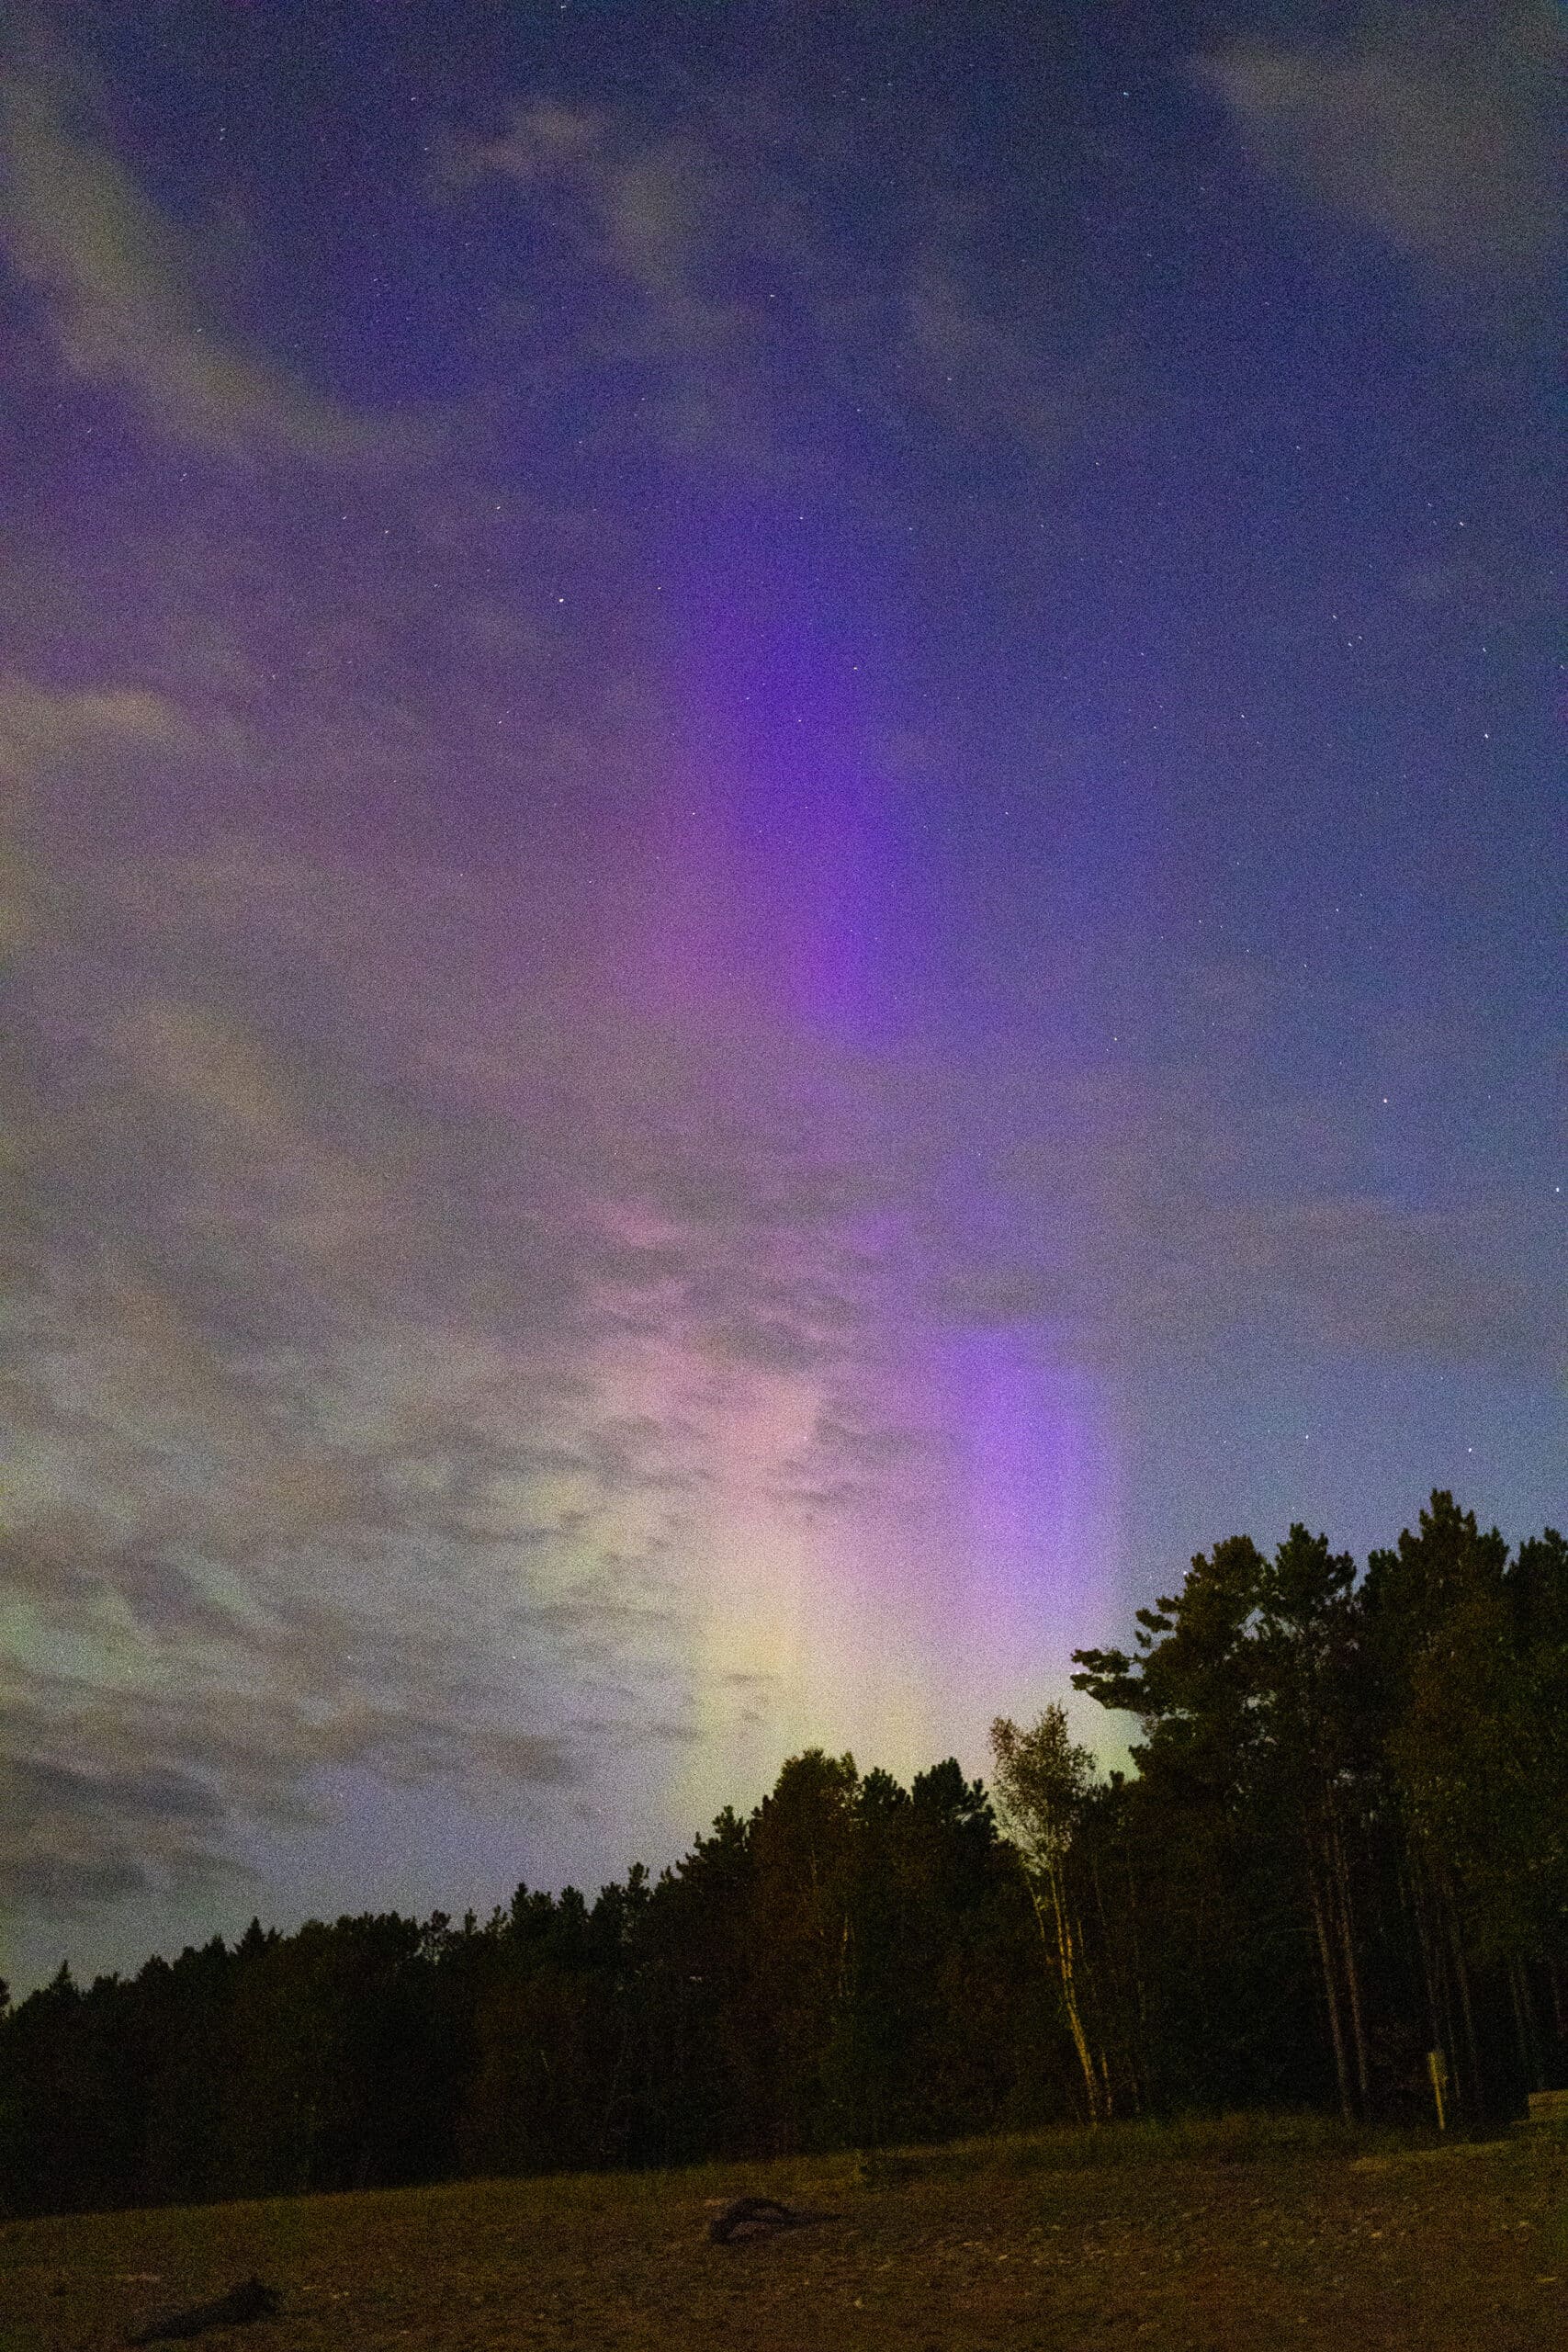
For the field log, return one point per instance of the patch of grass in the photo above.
(1236, 2234)
(1238, 2139)
(1210, 2139)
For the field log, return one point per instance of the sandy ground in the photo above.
(1454, 2251)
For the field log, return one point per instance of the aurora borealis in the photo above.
(783, 874)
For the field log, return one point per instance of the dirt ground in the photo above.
(1458, 2250)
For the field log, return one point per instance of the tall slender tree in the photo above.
(1043, 1781)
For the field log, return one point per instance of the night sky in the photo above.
(781, 860)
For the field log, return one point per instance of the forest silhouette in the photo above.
(1335, 1875)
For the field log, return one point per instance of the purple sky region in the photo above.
(780, 867)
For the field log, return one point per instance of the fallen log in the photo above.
(756, 2217)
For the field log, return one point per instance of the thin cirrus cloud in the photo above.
(705, 278)
(649, 231)
(121, 306)
(1435, 127)
(42, 730)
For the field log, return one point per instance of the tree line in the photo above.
(1339, 1865)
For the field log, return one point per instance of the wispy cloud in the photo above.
(123, 307)
(1434, 125)
(654, 228)
(40, 729)
(695, 265)
(1007, 372)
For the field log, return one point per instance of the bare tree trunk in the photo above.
(1352, 1972)
(1140, 1988)
(1432, 1971)
(1109, 2024)
(1467, 2013)
(1525, 2027)
(1326, 1953)
(1065, 1945)
(1065, 1975)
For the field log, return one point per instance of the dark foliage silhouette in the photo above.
(1343, 1846)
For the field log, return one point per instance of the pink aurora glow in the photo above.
(902, 1523)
